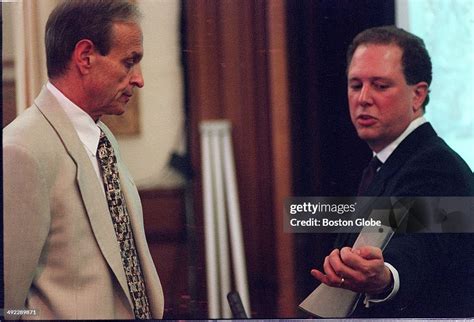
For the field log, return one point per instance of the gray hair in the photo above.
(75, 20)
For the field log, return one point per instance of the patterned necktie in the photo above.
(123, 229)
(368, 175)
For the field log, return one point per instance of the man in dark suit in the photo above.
(417, 275)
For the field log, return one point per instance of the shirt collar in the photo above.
(385, 153)
(86, 128)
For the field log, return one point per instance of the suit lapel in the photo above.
(397, 160)
(399, 157)
(89, 186)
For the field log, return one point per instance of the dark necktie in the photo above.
(368, 175)
(123, 229)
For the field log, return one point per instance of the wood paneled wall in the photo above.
(235, 62)
(165, 228)
(8, 93)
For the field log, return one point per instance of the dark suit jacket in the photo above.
(436, 270)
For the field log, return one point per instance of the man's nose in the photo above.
(365, 95)
(137, 77)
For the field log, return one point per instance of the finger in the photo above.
(334, 260)
(320, 276)
(333, 278)
(338, 266)
(361, 264)
(369, 252)
(357, 264)
(347, 268)
(345, 252)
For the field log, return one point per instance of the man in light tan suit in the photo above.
(64, 257)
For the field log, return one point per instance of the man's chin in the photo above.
(367, 134)
(117, 110)
(374, 140)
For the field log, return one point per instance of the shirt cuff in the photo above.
(370, 300)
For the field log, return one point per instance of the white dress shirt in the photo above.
(383, 156)
(86, 128)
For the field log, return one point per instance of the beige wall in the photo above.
(161, 100)
(7, 34)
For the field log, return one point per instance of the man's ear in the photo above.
(84, 55)
(420, 91)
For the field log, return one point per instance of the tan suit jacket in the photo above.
(60, 250)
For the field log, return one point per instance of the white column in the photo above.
(221, 220)
(222, 214)
(237, 244)
(209, 228)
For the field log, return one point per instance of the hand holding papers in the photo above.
(335, 302)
